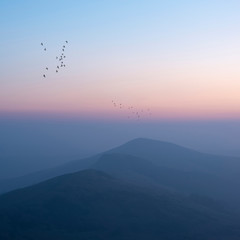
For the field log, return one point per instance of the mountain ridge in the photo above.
(187, 170)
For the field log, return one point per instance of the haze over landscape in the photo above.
(119, 119)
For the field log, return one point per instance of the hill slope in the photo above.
(145, 173)
(160, 163)
(93, 205)
(161, 153)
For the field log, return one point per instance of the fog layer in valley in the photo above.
(28, 144)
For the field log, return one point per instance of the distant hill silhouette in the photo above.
(91, 205)
(156, 163)
(175, 156)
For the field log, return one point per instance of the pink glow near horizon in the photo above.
(168, 98)
(180, 64)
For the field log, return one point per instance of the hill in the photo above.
(158, 163)
(91, 204)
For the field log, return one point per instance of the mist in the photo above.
(29, 144)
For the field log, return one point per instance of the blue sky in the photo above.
(172, 56)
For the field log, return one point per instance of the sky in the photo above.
(176, 63)
(178, 58)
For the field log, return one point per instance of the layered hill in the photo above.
(146, 173)
(156, 163)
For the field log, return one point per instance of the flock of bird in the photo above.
(60, 58)
(132, 112)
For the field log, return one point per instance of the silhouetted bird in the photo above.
(59, 58)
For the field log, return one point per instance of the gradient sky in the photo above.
(178, 58)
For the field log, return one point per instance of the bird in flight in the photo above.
(132, 111)
(59, 58)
